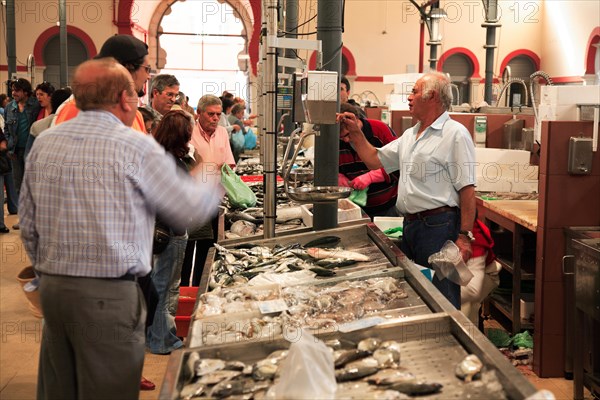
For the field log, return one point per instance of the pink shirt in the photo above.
(214, 150)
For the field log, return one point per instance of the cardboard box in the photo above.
(347, 211)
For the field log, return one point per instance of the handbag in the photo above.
(162, 237)
(239, 194)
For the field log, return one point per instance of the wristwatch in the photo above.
(468, 234)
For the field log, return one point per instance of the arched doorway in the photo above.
(460, 68)
(76, 54)
(521, 64)
(204, 44)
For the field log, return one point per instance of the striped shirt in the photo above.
(91, 190)
(381, 195)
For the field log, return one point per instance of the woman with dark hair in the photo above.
(43, 93)
(174, 133)
(57, 98)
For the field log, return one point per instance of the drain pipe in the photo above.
(491, 23)
(11, 42)
(329, 31)
(64, 60)
(270, 138)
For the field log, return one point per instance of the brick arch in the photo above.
(591, 50)
(521, 52)
(464, 51)
(312, 62)
(42, 41)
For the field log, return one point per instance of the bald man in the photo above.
(91, 190)
(436, 161)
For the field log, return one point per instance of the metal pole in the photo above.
(491, 23)
(11, 42)
(291, 22)
(270, 138)
(64, 61)
(329, 31)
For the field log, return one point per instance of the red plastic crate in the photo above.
(183, 325)
(187, 300)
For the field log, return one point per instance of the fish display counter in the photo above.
(433, 356)
(390, 333)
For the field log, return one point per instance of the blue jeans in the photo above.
(12, 198)
(161, 337)
(18, 167)
(424, 237)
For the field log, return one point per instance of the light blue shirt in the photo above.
(91, 190)
(433, 168)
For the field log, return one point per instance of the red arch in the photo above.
(42, 41)
(123, 22)
(521, 52)
(312, 62)
(591, 51)
(253, 45)
(465, 52)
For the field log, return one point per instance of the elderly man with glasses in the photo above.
(164, 94)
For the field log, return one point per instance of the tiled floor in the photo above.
(21, 334)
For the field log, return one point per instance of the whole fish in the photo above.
(319, 253)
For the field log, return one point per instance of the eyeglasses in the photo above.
(212, 114)
(172, 95)
(148, 68)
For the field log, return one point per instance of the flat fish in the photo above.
(319, 253)
(243, 228)
(325, 241)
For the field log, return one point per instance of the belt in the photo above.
(126, 277)
(427, 213)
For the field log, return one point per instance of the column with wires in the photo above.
(329, 31)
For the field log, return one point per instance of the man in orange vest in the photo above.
(130, 52)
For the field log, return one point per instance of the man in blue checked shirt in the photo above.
(91, 191)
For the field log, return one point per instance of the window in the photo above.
(203, 39)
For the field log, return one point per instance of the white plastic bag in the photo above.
(448, 263)
(307, 372)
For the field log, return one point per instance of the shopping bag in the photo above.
(249, 139)
(239, 194)
(237, 142)
(359, 197)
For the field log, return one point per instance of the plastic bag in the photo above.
(307, 372)
(240, 195)
(249, 139)
(237, 142)
(523, 339)
(359, 197)
(448, 263)
(499, 337)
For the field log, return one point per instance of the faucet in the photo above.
(531, 78)
(454, 86)
(507, 85)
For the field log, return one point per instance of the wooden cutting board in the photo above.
(523, 212)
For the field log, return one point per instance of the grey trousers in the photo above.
(92, 340)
